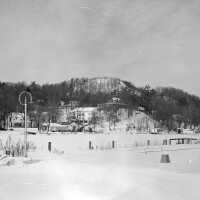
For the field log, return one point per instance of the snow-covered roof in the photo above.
(86, 109)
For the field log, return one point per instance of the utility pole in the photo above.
(25, 97)
(25, 135)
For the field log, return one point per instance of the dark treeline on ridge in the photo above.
(166, 105)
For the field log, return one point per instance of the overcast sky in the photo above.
(154, 42)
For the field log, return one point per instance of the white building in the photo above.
(84, 113)
(16, 119)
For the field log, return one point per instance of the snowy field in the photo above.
(132, 170)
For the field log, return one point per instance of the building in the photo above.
(84, 113)
(64, 113)
(16, 119)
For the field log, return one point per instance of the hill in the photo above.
(171, 107)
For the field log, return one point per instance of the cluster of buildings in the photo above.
(72, 117)
(65, 114)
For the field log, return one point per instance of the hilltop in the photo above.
(99, 84)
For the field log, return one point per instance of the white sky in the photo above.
(154, 42)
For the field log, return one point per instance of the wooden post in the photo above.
(113, 144)
(90, 145)
(49, 146)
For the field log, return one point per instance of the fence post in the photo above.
(113, 144)
(90, 145)
(49, 146)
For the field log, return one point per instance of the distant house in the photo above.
(64, 112)
(84, 113)
(16, 119)
(123, 113)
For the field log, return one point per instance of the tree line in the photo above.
(166, 105)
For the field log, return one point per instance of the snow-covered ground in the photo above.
(72, 171)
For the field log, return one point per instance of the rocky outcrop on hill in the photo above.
(98, 84)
